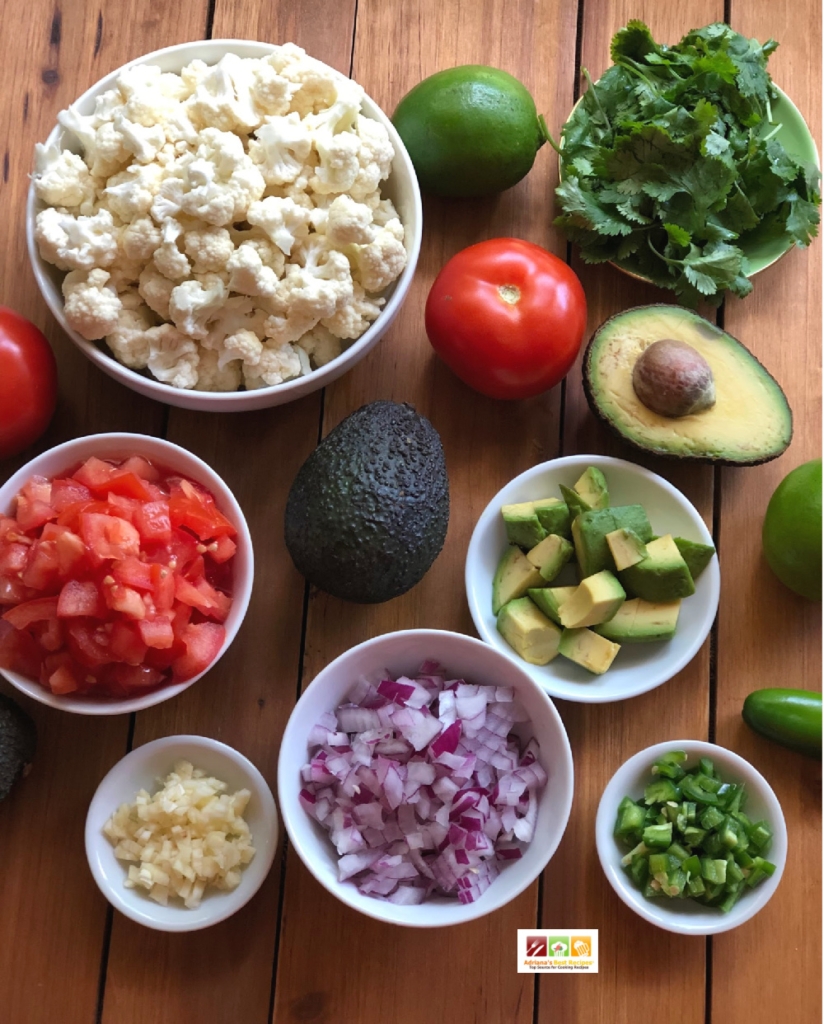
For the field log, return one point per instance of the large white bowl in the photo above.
(688, 917)
(145, 768)
(401, 187)
(403, 653)
(638, 667)
(166, 455)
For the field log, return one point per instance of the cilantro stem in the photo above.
(547, 137)
(769, 135)
(591, 88)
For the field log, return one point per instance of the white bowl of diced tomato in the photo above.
(126, 568)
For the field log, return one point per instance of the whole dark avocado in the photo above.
(367, 513)
(18, 741)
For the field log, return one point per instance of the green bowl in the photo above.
(798, 141)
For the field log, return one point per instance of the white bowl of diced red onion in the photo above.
(424, 778)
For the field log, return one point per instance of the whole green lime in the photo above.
(792, 530)
(470, 131)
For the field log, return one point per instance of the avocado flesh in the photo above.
(513, 577)
(522, 525)
(550, 599)
(592, 487)
(590, 529)
(626, 548)
(528, 631)
(553, 515)
(587, 649)
(750, 423)
(595, 600)
(368, 510)
(661, 576)
(639, 622)
(550, 556)
(697, 556)
(18, 741)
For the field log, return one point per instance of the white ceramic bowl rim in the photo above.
(445, 913)
(159, 450)
(109, 873)
(687, 917)
(215, 399)
(596, 690)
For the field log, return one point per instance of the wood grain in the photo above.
(773, 637)
(576, 894)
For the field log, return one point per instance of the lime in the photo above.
(470, 131)
(792, 530)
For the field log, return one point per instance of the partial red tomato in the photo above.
(507, 317)
(28, 383)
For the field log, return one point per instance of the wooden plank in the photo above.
(576, 894)
(773, 637)
(52, 927)
(486, 443)
(246, 700)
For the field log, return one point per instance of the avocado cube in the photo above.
(550, 599)
(596, 599)
(590, 529)
(626, 548)
(553, 515)
(528, 631)
(592, 487)
(522, 525)
(697, 556)
(575, 503)
(661, 576)
(550, 556)
(639, 622)
(513, 577)
(587, 649)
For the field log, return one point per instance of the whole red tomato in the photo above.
(28, 383)
(507, 317)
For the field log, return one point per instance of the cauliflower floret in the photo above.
(375, 157)
(193, 303)
(223, 97)
(144, 142)
(91, 304)
(125, 273)
(209, 248)
(173, 357)
(317, 84)
(339, 164)
(130, 193)
(349, 223)
(342, 114)
(239, 313)
(76, 243)
(244, 345)
(353, 318)
(168, 259)
(380, 262)
(139, 239)
(128, 339)
(107, 105)
(179, 128)
(383, 210)
(282, 56)
(277, 363)
(104, 150)
(249, 274)
(320, 345)
(62, 178)
(320, 285)
(282, 220)
(280, 148)
(271, 93)
(155, 290)
(213, 377)
(151, 95)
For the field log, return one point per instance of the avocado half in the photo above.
(750, 422)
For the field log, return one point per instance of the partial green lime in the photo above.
(792, 530)
(470, 131)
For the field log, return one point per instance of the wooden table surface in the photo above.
(294, 954)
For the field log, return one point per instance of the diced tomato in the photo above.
(163, 590)
(157, 632)
(49, 634)
(32, 513)
(9, 529)
(126, 508)
(38, 488)
(195, 570)
(125, 680)
(67, 492)
(153, 522)
(203, 641)
(95, 474)
(193, 507)
(124, 599)
(38, 610)
(108, 537)
(204, 597)
(63, 680)
(13, 558)
(140, 467)
(222, 549)
(89, 643)
(131, 572)
(19, 652)
(129, 485)
(71, 553)
(12, 591)
(126, 643)
(80, 599)
(42, 570)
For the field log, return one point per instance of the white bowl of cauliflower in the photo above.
(224, 225)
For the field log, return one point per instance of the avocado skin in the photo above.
(368, 511)
(592, 400)
(18, 742)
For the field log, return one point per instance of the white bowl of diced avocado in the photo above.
(598, 576)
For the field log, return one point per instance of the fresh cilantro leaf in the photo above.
(677, 234)
(635, 41)
(802, 220)
(582, 209)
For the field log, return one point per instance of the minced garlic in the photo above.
(189, 835)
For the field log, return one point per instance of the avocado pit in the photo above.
(673, 379)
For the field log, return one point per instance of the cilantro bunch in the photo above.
(670, 163)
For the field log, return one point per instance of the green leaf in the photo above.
(702, 282)
(582, 209)
(677, 234)
(635, 41)
(802, 220)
